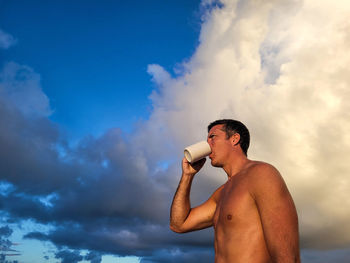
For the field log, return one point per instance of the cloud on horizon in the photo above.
(278, 66)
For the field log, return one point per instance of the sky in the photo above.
(99, 98)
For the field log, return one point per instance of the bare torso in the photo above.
(239, 236)
(253, 213)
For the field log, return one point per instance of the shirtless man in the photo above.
(253, 213)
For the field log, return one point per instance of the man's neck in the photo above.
(235, 165)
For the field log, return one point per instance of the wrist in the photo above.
(188, 176)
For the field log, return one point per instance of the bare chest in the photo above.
(236, 206)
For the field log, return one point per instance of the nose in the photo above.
(209, 141)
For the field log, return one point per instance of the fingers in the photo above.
(199, 164)
(192, 168)
(201, 161)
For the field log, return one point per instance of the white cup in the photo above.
(197, 151)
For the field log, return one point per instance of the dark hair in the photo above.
(230, 128)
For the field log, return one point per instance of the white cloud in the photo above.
(20, 89)
(281, 67)
(6, 40)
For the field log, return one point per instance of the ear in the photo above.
(235, 138)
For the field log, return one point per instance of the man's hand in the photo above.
(192, 169)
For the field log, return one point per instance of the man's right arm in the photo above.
(183, 218)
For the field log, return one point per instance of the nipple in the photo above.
(229, 217)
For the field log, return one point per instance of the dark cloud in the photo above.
(136, 238)
(37, 236)
(68, 256)
(93, 257)
(6, 246)
(28, 158)
(5, 231)
(107, 194)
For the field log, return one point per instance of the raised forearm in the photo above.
(181, 205)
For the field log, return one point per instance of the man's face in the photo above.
(219, 144)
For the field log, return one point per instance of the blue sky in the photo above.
(92, 59)
(99, 98)
(92, 56)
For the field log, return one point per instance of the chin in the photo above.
(215, 164)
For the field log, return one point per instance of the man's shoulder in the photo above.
(264, 175)
(259, 168)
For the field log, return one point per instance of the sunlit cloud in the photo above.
(281, 68)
